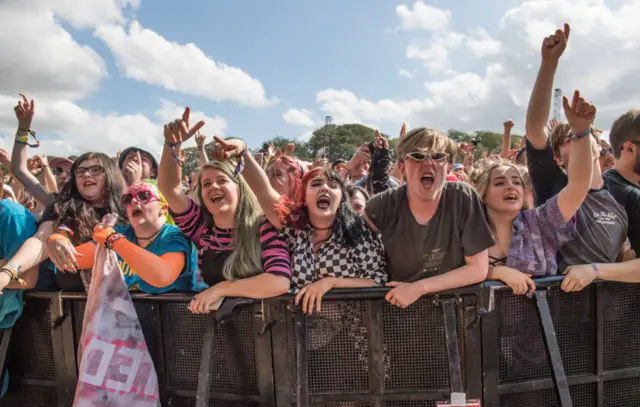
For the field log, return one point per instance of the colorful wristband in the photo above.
(111, 239)
(578, 136)
(56, 236)
(240, 166)
(25, 139)
(596, 270)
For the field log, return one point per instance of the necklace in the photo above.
(322, 229)
(148, 238)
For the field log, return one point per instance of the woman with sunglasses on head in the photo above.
(239, 253)
(330, 246)
(93, 190)
(154, 255)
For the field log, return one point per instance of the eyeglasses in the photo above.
(94, 171)
(436, 157)
(143, 197)
(60, 171)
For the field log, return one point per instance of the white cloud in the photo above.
(345, 107)
(435, 55)
(40, 58)
(299, 117)
(306, 136)
(79, 130)
(89, 14)
(422, 17)
(146, 56)
(481, 44)
(405, 73)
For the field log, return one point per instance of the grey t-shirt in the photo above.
(414, 251)
(602, 229)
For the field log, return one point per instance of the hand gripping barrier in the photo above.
(555, 349)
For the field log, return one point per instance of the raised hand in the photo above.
(553, 123)
(580, 113)
(25, 110)
(289, 149)
(41, 160)
(508, 125)
(5, 159)
(554, 45)
(200, 138)
(403, 130)
(225, 149)
(380, 142)
(133, 170)
(179, 130)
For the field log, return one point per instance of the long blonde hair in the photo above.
(244, 260)
(483, 179)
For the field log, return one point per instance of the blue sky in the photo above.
(107, 76)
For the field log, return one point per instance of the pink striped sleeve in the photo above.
(275, 251)
(191, 222)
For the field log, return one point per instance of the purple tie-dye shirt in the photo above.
(537, 235)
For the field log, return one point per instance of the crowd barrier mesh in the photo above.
(360, 351)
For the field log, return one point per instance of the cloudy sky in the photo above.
(107, 74)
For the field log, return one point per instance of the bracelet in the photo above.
(13, 273)
(25, 139)
(577, 136)
(65, 231)
(596, 270)
(240, 166)
(172, 146)
(111, 239)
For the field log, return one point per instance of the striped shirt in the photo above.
(216, 244)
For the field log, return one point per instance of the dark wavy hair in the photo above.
(348, 226)
(78, 214)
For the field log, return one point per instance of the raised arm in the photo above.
(202, 152)
(170, 172)
(540, 100)
(253, 174)
(580, 115)
(506, 138)
(24, 113)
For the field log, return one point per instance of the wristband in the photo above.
(65, 231)
(240, 166)
(596, 270)
(111, 239)
(13, 271)
(25, 139)
(577, 136)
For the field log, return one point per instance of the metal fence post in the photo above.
(64, 352)
(553, 351)
(302, 365)
(202, 396)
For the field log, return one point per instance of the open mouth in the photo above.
(136, 213)
(323, 202)
(427, 180)
(217, 198)
(511, 198)
(89, 184)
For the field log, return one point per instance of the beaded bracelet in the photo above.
(172, 146)
(111, 239)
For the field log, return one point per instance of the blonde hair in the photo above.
(625, 128)
(484, 179)
(244, 260)
(426, 138)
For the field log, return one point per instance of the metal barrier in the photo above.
(359, 350)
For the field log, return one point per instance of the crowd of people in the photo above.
(260, 225)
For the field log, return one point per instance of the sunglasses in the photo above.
(605, 150)
(60, 171)
(143, 197)
(436, 157)
(94, 171)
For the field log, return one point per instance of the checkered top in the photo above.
(334, 259)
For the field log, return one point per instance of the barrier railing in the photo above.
(554, 349)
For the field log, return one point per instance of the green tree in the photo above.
(341, 140)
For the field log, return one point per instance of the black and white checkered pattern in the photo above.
(365, 260)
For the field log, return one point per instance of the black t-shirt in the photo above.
(414, 251)
(628, 195)
(547, 177)
(64, 280)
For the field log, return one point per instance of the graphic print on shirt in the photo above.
(605, 218)
(433, 259)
